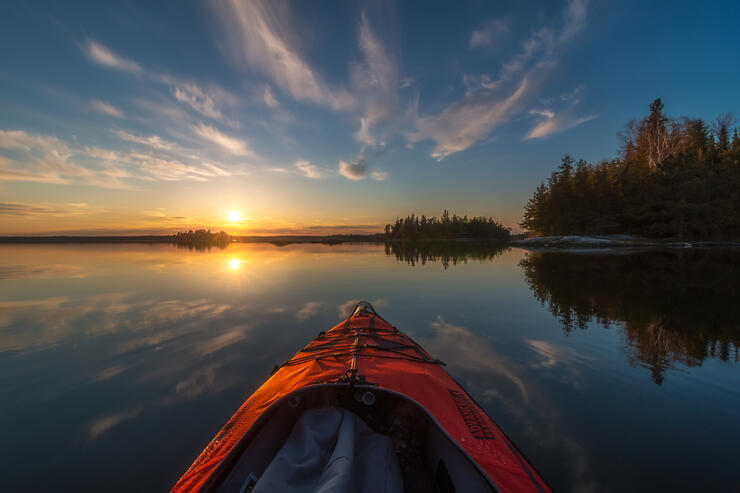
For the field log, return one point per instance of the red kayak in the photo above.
(362, 408)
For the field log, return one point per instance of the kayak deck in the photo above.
(370, 368)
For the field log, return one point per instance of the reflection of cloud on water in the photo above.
(171, 350)
(109, 373)
(345, 309)
(30, 324)
(308, 310)
(199, 381)
(10, 310)
(221, 341)
(53, 271)
(564, 362)
(488, 375)
(37, 324)
(170, 311)
(100, 426)
(188, 334)
(461, 349)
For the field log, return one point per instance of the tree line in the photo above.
(412, 228)
(673, 177)
(201, 239)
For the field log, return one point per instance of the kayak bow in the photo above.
(405, 411)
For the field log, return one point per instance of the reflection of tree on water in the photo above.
(445, 252)
(674, 306)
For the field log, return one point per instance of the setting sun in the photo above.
(234, 216)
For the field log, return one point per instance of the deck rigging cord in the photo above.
(345, 343)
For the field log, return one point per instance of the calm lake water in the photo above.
(611, 371)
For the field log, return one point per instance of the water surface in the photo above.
(611, 371)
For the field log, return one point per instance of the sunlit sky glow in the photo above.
(309, 118)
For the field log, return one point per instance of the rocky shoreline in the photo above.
(613, 241)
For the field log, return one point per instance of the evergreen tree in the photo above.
(412, 228)
(673, 179)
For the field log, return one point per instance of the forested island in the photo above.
(415, 228)
(201, 239)
(674, 178)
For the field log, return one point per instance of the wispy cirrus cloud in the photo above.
(48, 159)
(21, 209)
(494, 102)
(475, 83)
(551, 123)
(233, 145)
(153, 141)
(150, 167)
(310, 170)
(488, 35)
(102, 55)
(465, 122)
(259, 34)
(205, 101)
(269, 98)
(375, 81)
(195, 97)
(107, 109)
(379, 175)
(405, 82)
(39, 158)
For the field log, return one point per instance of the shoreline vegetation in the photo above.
(455, 228)
(675, 179)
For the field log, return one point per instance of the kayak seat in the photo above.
(335, 439)
(331, 450)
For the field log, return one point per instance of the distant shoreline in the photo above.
(520, 241)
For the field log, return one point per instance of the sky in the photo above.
(272, 117)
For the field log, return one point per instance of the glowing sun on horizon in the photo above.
(234, 216)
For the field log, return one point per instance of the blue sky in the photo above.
(329, 116)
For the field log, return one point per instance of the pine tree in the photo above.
(673, 179)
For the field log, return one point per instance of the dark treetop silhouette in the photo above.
(201, 239)
(448, 228)
(674, 177)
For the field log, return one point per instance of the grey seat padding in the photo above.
(331, 450)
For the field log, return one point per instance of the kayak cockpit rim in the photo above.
(221, 471)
